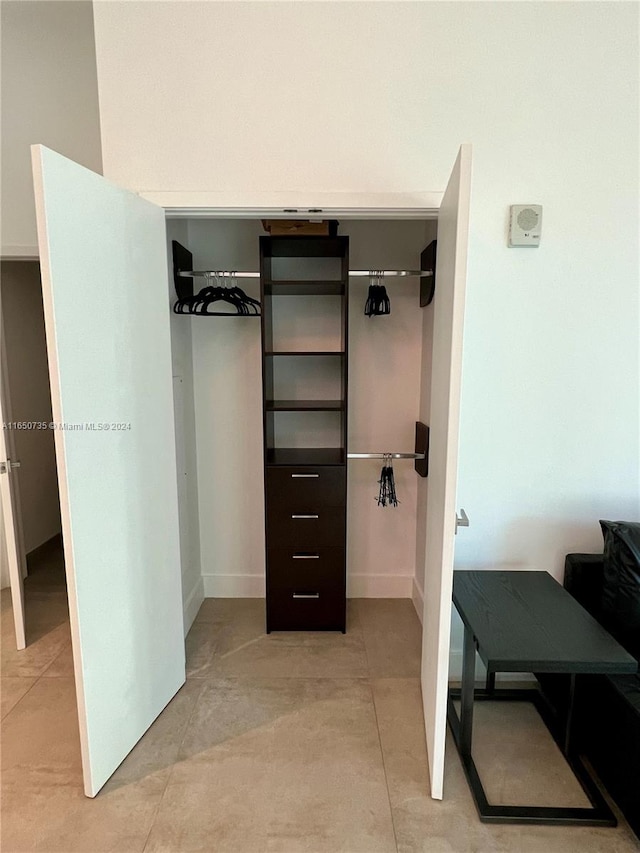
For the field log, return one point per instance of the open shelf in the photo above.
(305, 405)
(305, 456)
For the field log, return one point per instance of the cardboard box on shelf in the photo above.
(304, 227)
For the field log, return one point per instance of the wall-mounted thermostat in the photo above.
(525, 225)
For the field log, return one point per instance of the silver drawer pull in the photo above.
(306, 595)
(304, 476)
(306, 556)
(305, 516)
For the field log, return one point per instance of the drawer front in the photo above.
(307, 486)
(306, 569)
(306, 606)
(305, 526)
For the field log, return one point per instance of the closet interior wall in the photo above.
(217, 378)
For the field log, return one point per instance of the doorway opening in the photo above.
(33, 488)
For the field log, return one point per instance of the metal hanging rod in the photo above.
(390, 273)
(386, 455)
(352, 274)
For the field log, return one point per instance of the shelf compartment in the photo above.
(301, 456)
(305, 405)
(305, 427)
(312, 378)
(308, 322)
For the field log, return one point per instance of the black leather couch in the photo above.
(607, 712)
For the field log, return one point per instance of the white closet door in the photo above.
(10, 541)
(104, 277)
(451, 272)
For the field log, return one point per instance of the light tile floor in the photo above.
(279, 744)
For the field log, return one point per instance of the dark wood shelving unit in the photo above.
(305, 486)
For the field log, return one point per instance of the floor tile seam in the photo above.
(224, 677)
(49, 665)
(155, 814)
(384, 765)
(363, 634)
(171, 769)
(36, 679)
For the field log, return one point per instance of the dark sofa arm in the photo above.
(583, 578)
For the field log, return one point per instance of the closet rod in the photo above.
(352, 274)
(383, 455)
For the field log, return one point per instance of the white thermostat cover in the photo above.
(525, 225)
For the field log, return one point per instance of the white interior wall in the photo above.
(4, 560)
(49, 95)
(228, 419)
(384, 396)
(384, 392)
(367, 96)
(184, 409)
(30, 396)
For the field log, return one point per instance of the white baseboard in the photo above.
(192, 605)
(379, 586)
(234, 586)
(455, 670)
(20, 253)
(417, 597)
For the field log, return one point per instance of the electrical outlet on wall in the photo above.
(525, 225)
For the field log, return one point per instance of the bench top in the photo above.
(527, 622)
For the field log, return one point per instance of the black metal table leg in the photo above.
(569, 721)
(490, 684)
(467, 691)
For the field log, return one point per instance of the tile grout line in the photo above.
(384, 765)
(36, 679)
(170, 774)
(49, 665)
(364, 645)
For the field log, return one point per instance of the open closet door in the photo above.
(451, 271)
(104, 277)
(9, 509)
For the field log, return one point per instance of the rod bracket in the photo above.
(422, 446)
(428, 283)
(182, 260)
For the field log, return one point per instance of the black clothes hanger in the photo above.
(378, 302)
(387, 495)
(184, 305)
(218, 293)
(252, 306)
(201, 303)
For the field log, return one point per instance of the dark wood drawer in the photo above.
(307, 486)
(305, 527)
(306, 568)
(307, 605)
